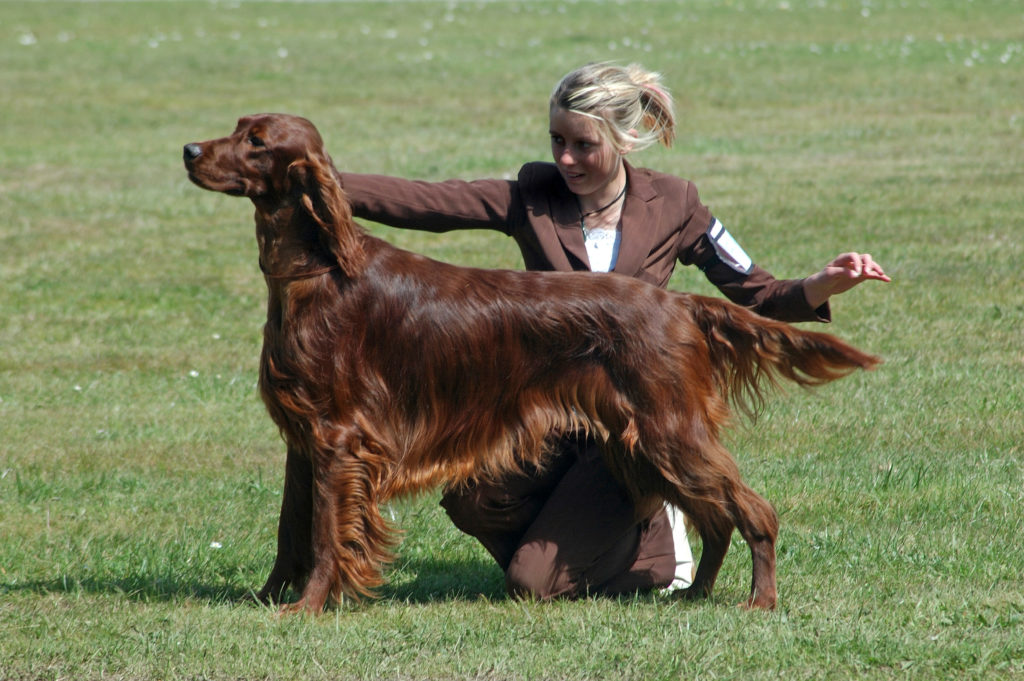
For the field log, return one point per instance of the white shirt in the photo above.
(602, 248)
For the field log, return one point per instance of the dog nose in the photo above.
(192, 152)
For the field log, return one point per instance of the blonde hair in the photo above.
(629, 103)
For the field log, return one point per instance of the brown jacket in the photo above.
(663, 221)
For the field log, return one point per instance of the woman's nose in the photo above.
(566, 158)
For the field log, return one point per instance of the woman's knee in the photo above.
(534, 574)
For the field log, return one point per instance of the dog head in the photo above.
(256, 159)
(279, 162)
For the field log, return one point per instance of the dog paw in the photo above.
(759, 602)
(692, 593)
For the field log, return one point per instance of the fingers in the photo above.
(860, 266)
(869, 269)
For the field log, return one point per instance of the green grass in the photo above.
(140, 477)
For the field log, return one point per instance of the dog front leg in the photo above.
(294, 530)
(351, 541)
(322, 582)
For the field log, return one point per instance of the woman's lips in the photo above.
(572, 177)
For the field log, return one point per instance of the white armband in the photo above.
(728, 250)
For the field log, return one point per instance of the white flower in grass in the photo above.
(27, 38)
(194, 373)
(216, 545)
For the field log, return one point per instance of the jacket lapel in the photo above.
(566, 216)
(640, 215)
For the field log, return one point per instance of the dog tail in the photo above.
(750, 352)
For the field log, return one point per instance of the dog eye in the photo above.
(256, 141)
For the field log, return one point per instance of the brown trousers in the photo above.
(568, 530)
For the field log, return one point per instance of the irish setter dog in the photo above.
(389, 373)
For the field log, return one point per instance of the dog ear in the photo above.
(324, 200)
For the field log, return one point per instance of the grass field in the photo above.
(140, 477)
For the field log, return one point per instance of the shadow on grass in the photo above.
(443, 580)
(413, 581)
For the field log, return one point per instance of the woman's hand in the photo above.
(842, 274)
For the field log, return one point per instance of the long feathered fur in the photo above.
(389, 373)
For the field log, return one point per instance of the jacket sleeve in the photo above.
(708, 245)
(781, 299)
(433, 206)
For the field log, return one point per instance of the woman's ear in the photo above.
(628, 146)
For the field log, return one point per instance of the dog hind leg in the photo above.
(758, 524)
(700, 476)
(715, 530)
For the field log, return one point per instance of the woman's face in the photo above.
(589, 164)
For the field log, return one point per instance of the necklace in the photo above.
(584, 216)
